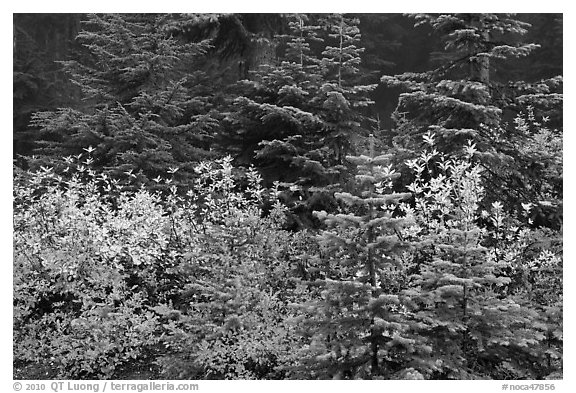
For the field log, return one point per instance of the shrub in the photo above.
(470, 285)
(445, 285)
(228, 322)
(84, 270)
(105, 274)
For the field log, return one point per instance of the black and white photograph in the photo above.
(286, 196)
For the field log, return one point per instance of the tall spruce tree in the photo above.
(276, 104)
(458, 96)
(146, 104)
(460, 100)
(305, 112)
(345, 96)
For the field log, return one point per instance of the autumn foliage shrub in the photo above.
(103, 275)
(434, 282)
(229, 320)
(84, 270)
(444, 285)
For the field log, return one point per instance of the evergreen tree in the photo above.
(401, 280)
(460, 100)
(345, 97)
(457, 97)
(460, 290)
(279, 100)
(240, 42)
(357, 327)
(38, 82)
(303, 113)
(144, 109)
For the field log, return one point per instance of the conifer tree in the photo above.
(458, 96)
(304, 113)
(459, 288)
(345, 97)
(462, 99)
(357, 327)
(145, 108)
(278, 110)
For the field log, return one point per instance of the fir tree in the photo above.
(459, 290)
(457, 97)
(460, 100)
(357, 327)
(345, 97)
(305, 112)
(279, 105)
(145, 110)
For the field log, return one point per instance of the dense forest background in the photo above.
(269, 196)
(392, 46)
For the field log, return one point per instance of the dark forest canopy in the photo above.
(392, 46)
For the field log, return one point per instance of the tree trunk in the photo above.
(480, 67)
(262, 51)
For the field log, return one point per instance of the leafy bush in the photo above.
(105, 275)
(406, 278)
(84, 269)
(228, 323)
(471, 286)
